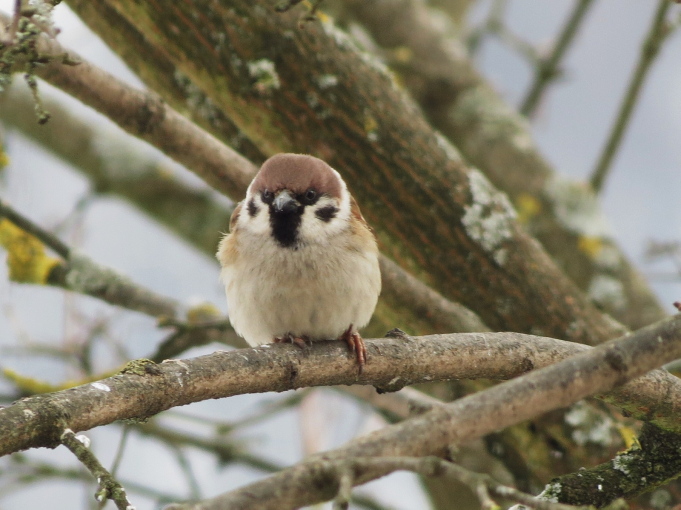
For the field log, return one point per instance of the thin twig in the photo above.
(547, 69)
(12, 32)
(658, 33)
(82, 274)
(186, 467)
(119, 456)
(109, 488)
(28, 226)
(23, 471)
(121, 448)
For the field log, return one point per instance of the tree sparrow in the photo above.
(300, 262)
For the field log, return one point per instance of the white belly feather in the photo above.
(311, 291)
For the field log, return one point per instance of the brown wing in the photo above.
(235, 216)
(362, 228)
(227, 250)
(355, 211)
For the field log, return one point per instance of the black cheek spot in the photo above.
(326, 214)
(252, 208)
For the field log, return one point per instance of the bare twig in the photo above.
(659, 31)
(481, 484)
(82, 274)
(547, 68)
(109, 488)
(27, 225)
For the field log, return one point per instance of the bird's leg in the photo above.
(302, 341)
(356, 345)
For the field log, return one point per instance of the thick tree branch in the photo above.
(656, 460)
(564, 216)
(394, 362)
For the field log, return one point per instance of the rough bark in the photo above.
(563, 215)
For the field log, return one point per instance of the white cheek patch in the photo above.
(314, 229)
(260, 223)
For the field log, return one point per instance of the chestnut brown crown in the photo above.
(296, 173)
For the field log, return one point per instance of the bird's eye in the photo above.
(267, 196)
(310, 196)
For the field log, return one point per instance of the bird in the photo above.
(300, 263)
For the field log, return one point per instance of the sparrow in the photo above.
(300, 263)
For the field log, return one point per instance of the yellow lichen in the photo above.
(26, 258)
(628, 436)
(403, 54)
(4, 159)
(321, 15)
(32, 386)
(527, 206)
(202, 313)
(591, 246)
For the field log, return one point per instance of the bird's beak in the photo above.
(284, 203)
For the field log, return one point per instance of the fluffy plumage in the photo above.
(300, 263)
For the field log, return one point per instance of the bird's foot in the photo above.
(356, 345)
(302, 341)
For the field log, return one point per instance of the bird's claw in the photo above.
(356, 344)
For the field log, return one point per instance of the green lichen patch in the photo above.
(140, 367)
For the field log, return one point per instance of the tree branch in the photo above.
(657, 34)
(564, 216)
(547, 68)
(109, 488)
(653, 462)
(145, 115)
(143, 180)
(430, 467)
(393, 363)
(81, 274)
